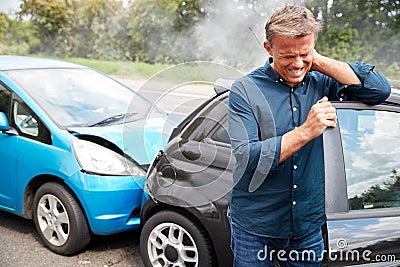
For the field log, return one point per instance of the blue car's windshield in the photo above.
(79, 97)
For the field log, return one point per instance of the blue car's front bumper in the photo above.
(111, 203)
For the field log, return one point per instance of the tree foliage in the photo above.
(96, 29)
(377, 196)
(176, 31)
(49, 18)
(365, 30)
(158, 28)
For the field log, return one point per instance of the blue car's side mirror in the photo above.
(4, 126)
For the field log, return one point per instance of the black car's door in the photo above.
(362, 166)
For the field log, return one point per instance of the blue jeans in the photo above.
(252, 250)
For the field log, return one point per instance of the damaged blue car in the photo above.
(74, 150)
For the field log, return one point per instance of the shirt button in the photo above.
(294, 109)
(294, 202)
(295, 167)
(295, 186)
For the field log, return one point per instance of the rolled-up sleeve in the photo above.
(374, 87)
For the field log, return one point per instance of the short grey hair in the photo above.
(291, 21)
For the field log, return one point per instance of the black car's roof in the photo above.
(223, 85)
(394, 97)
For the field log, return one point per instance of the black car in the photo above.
(184, 219)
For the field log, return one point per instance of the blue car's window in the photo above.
(79, 97)
(371, 147)
(27, 123)
(24, 120)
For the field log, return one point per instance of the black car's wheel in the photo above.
(59, 219)
(170, 238)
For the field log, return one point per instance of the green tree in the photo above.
(387, 195)
(159, 28)
(96, 29)
(4, 24)
(343, 44)
(16, 36)
(82, 28)
(49, 17)
(368, 30)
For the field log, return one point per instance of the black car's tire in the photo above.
(173, 237)
(59, 219)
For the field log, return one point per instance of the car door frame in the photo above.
(8, 156)
(336, 197)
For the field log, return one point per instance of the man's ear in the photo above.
(268, 48)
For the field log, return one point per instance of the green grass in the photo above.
(195, 71)
(120, 68)
(184, 72)
(187, 72)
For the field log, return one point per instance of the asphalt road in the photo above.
(19, 241)
(20, 246)
(177, 99)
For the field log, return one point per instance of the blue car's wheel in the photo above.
(59, 219)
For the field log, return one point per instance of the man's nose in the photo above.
(297, 62)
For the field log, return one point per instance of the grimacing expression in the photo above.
(292, 57)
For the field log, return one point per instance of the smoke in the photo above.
(232, 33)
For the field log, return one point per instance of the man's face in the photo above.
(292, 57)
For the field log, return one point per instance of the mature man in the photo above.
(277, 114)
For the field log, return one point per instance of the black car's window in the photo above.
(4, 100)
(371, 147)
(204, 124)
(221, 133)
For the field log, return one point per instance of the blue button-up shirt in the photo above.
(284, 200)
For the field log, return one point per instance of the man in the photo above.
(277, 115)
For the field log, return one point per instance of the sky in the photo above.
(9, 5)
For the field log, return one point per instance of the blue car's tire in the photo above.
(59, 219)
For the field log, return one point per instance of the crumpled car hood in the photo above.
(140, 139)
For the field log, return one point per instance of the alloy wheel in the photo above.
(53, 220)
(170, 244)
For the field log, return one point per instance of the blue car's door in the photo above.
(363, 186)
(8, 165)
(23, 150)
(8, 157)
